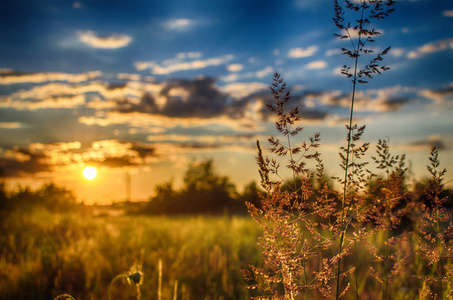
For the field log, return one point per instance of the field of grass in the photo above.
(44, 255)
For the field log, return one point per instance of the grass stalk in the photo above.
(159, 287)
(345, 185)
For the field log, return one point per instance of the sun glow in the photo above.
(89, 173)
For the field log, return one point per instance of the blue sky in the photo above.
(146, 87)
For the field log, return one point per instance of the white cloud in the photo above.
(104, 42)
(264, 72)
(235, 67)
(177, 24)
(397, 52)
(318, 64)
(241, 89)
(180, 63)
(300, 52)
(230, 77)
(143, 65)
(331, 52)
(431, 48)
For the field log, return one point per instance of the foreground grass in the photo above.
(46, 254)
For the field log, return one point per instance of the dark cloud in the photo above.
(147, 105)
(201, 98)
(143, 151)
(23, 163)
(198, 97)
(429, 143)
(394, 104)
(116, 162)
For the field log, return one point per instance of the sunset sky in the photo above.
(144, 87)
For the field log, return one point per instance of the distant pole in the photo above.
(128, 186)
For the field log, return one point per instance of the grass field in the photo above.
(44, 255)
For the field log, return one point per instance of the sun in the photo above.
(89, 173)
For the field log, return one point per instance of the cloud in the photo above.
(300, 52)
(331, 52)
(241, 90)
(264, 72)
(372, 100)
(177, 24)
(447, 13)
(95, 94)
(182, 63)
(10, 125)
(432, 141)
(14, 78)
(143, 65)
(354, 34)
(397, 52)
(198, 97)
(107, 153)
(21, 162)
(318, 64)
(429, 48)
(440, 95)
(235, 68)
(66, 102)
(128, 76)
(104, 42)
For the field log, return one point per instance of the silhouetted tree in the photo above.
(204, 191)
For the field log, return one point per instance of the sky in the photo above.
(142, 88)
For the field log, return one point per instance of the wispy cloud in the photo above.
(113, 41)
(13, 78)
(23, 162)
(439, 96)
(177, 24)
(318, 64)
(10, 125)
(431, 48)
(302, 52)
(264, 72)
(235, 67)
(241, 90)
(182, 63)
(432, 141)
(448, 13)
(372, 100)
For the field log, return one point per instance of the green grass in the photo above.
(46, 254)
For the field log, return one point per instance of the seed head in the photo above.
(135, 277)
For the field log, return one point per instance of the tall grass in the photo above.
(44, 255)
(375, 239)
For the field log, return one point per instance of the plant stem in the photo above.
(354, 83)
(109, 296)
(439, 249)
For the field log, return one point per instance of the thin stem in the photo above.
(305, 279)
(439, 249)
(354, 83)
(387, 234)
(291, 157)
(109, 296)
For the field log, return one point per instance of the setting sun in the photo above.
(89, 173)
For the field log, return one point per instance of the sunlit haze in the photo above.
(145, 87)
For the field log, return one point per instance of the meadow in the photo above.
(45, 254)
